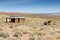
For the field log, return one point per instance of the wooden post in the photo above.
(6, 20)
(22, 20)
(16, 20)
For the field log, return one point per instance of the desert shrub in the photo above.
(4, 35)
(1, 38)
(39, 34)
(31, 39)
(31, 35)
(25, 32)
(45, 23)
(49, 21)
(11, 27)
(17, 34)
(58, 37)
(34, 27)
(41, 29)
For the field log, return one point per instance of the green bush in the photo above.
(17, 34)
(31, 39)
(4, 35)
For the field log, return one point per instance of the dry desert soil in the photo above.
(35, 27)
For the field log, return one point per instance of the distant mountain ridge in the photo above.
(28, 14)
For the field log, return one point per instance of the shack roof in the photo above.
(15, 17)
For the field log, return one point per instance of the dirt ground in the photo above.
(32, 29)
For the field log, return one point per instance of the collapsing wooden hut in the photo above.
(15, 19)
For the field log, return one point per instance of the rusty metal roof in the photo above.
(15, 17)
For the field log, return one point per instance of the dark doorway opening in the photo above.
(13, 20)
(18, 20)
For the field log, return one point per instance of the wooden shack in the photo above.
(15, 19)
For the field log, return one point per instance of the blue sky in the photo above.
(30, 6)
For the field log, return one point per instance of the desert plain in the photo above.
(35, 27)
